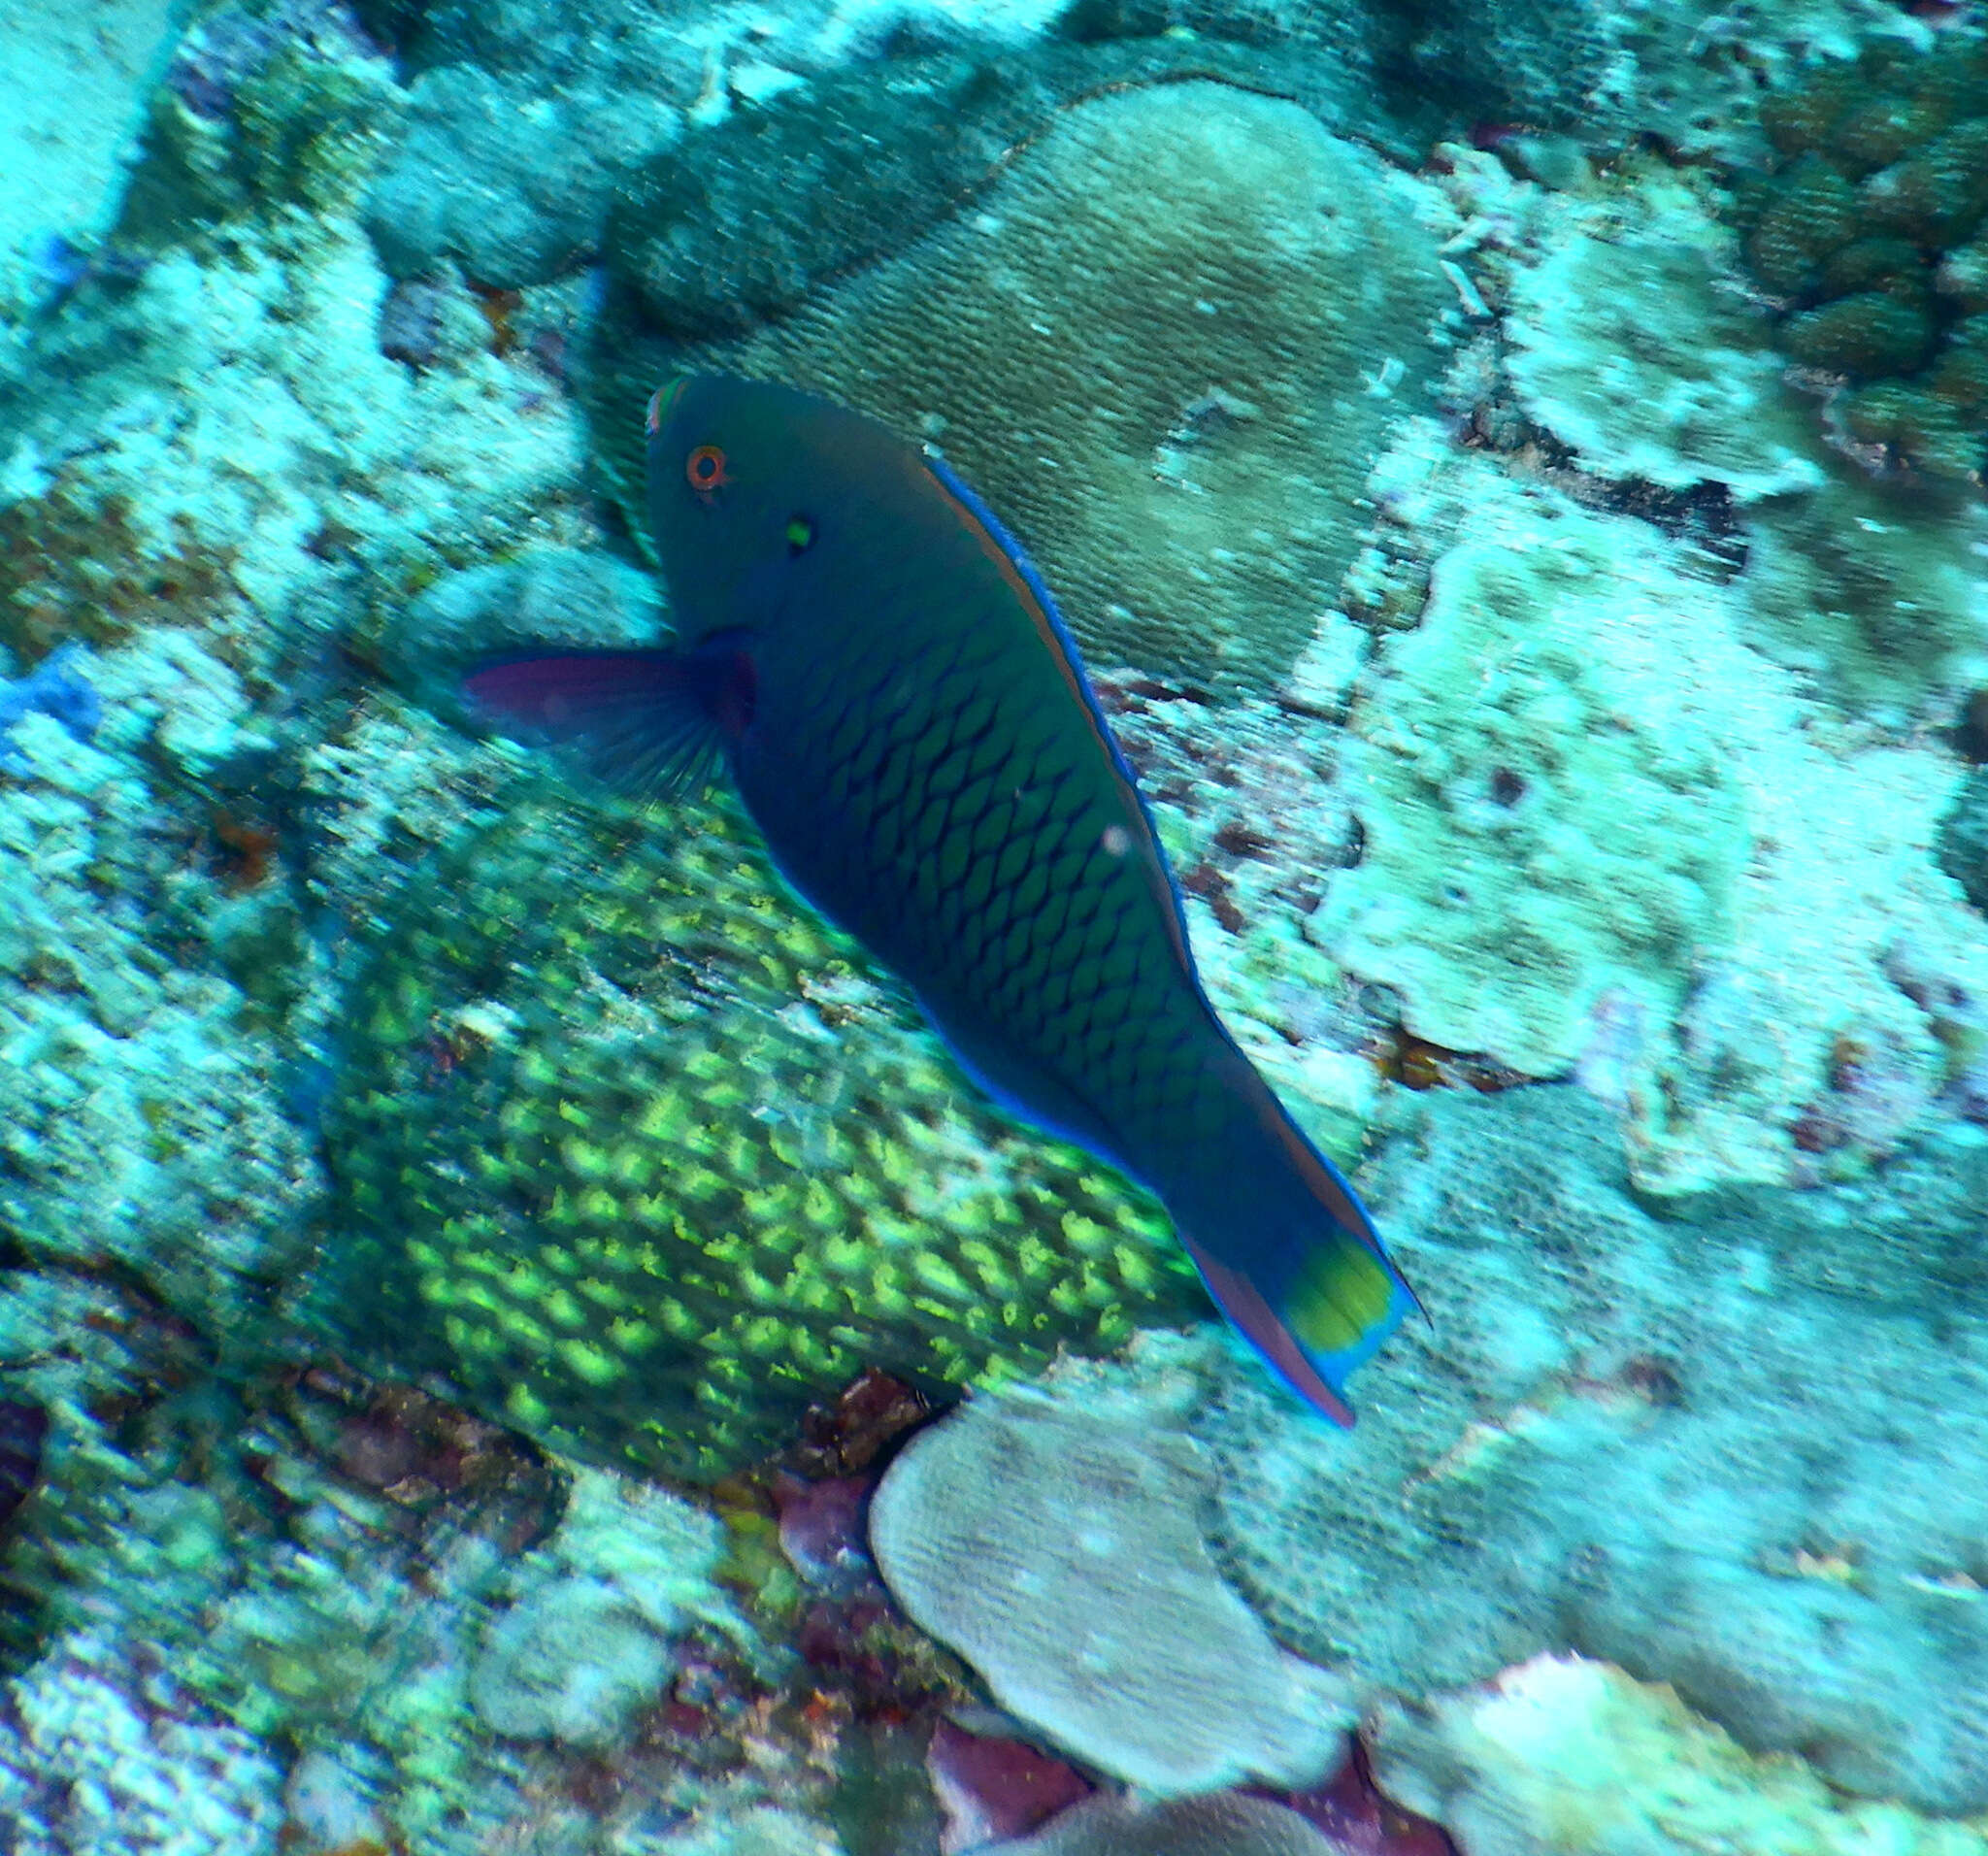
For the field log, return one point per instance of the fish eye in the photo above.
(800, 534)
(704, 470)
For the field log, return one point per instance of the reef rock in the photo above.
(1611, 1438)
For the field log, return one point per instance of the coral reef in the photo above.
(1195, 293)
(24, 1428)
(1092, 1608)
(1873, 590)
(1608, 1441)
(1224, 1826)
(1640, 371)
(89, 1762)
(329, 1030)
(993, 1788)
(579, 1652)
(1570, 826)
(142, 1115)
(1631, 344)
(49, 689)
(1592, 820)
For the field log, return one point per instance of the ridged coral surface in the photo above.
(448, 1221)
(1166, 346)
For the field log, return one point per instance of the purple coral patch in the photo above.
(992, 1788)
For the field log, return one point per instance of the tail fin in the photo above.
(1290, 1254)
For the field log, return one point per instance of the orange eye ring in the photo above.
(704, 470)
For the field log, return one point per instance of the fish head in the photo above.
(756, 491)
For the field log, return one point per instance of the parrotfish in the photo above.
(888, 680)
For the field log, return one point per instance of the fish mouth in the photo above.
(663, 402)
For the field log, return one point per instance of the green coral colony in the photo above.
(1873, 231)
(652, 1162)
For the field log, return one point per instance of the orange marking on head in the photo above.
(706, 472)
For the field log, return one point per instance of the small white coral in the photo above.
(1564, 1757)
(87, 1770)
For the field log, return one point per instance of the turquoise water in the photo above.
(516, 1335)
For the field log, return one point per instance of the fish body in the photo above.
(888, 680)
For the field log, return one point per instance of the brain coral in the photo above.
(1165, 346)
(1869, 231)
(630, 1147)
(1549, 814)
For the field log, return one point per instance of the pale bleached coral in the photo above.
(142, 1122)
(144, 485)
(1566, 1757)
(1545, 777)
(1634, 342)
(1601, 833)
(72, 92)
(95, 1758)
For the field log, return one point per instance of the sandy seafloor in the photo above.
(1517, 475)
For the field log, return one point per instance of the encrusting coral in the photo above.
(1056, 1542)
